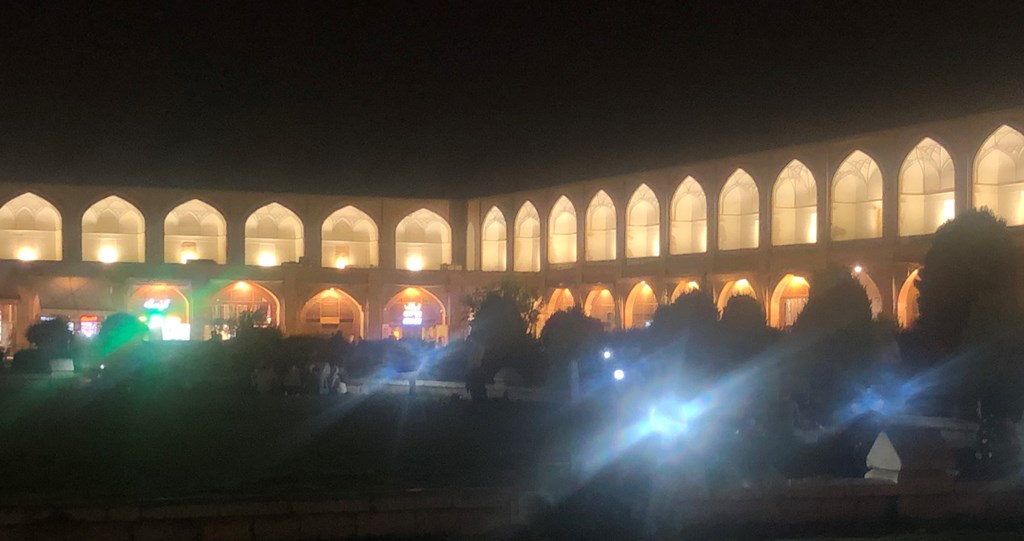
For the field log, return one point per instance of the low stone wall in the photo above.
(494, 512)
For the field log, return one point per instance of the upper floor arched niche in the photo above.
(794, 206)
(600, 228)
(30, 229)
(688, 219)
(195, 230)
(738, 213)
(113, 230)
(643, 237)
(494, 244)
(273, 235)
(526, 249)
(562, 232)
(857, 199)
(349, 238)
(926, 189)
(423, 240)
(999, 175)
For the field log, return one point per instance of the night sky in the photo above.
(460, 99)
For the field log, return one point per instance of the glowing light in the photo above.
(413, 314)
(27, 253)
(607, 354)
(857, 269)
(266, 259)
(798, 281)
(618, 374)
(157, 304)
(692, 286)
(107, 254)
(414, 263)
(742, 284)
(142, 319)
(341, 262)
(242, 286)
(188, 255)
(103, 367)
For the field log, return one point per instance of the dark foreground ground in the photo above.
(167, 443)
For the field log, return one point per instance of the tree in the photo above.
(52, 338)
(743, 331)
(569, 335)
(972, 260)
(528, 301)
(690, 314)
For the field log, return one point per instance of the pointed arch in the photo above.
(999, 175)
(739, 213)
(685, 286)
(600, 228)
(926, 184)
(643, 224)
(857, 198)
(526, 249)
(688, 217)
(870, 288)
(349, 239)
(234, 299)
(788, 300)
(562, 232)
(600, 305)
(329, 311)
(30, 229)
(195, 230)
(494, 244)
(416, 313)
(794, 206)
(561, 299)
(641, 303)
(423, 240)
(734, 288)
(113, 230)
(906, 302)
(273, 235)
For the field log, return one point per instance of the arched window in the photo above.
(999, 175)
(30, 229)
(562, 232)
(640, 306)
(195, 230)
(643, 238)
(689, 219)
(600, 225)
(739, 213)
(113, 230)
(423, 240)
(349, 239)
(493, 250)
(794, 206)
(273, 235)
(857, 199)
(926, 189)
(527, 239)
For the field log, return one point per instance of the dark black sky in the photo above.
(453, 99)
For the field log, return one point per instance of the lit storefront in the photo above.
(331, 311)
(415, 313)
(240, 299)
(164, 308)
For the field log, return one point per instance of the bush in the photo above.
(52, 338)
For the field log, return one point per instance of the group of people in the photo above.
(315, 378)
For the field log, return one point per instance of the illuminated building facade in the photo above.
(191, 261)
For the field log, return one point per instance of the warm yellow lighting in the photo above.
(107, 254)
(742, 283)
(27, 253)
(242, 286)
(692, 286)
(266, 259)
(142, 319)
(857, 269)
(798, 281)
(341, 262)
(414, 263)
(188, 255)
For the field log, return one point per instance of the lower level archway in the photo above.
(732, 289)
(870, 288)
(561, 299)
(415, 313)
(640, 306)
(600, 305)
(684, 287)
(332, 311)
(164, 308)
(242, 299)
(788, 300)
(906, 303)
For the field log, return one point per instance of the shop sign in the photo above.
(158, 305)
(413, 314)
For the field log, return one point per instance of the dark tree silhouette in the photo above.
(568, 336)
(691, 313)
(52, 338)
(743, 331)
